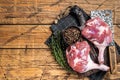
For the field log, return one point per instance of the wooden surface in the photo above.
(24, 29)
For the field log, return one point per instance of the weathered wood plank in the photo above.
(31, 64)
(26, 57)
(36, 64)
(46, 11)
(57, 73)
(24, 36)
(117, 19)
(41, 73)
(31, 36)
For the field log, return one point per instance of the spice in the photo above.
(71, 34)
(58, 51)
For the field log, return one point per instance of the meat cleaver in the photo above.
(106, 15)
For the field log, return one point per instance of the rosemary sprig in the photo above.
(58, 50)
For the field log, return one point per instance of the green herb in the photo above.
(58, 51)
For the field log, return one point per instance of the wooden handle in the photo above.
(112, 58)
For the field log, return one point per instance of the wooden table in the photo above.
(24, 29)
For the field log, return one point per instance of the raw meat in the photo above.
(99, 33)
(79, 59)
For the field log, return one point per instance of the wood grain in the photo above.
(23, 49)
(24, 36)
(32, 64)
(46, 11)
(23, 54)
(31, 36)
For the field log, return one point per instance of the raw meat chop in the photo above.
(99, 33)
(79, 59)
